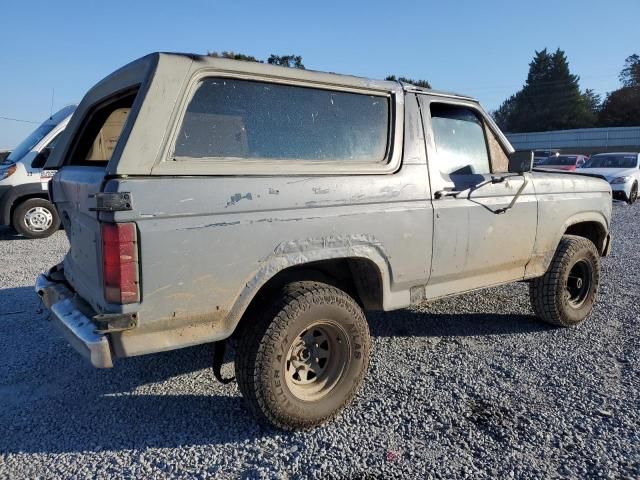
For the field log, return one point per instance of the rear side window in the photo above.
(460, 141)
(101, 131)
(107, 138)
(244, 119)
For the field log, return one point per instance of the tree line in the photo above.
(551, 99)
(295, 61)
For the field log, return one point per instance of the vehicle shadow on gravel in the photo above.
(7, 233)
(413, 323)
(53, 401)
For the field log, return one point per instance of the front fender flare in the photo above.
(544, 253)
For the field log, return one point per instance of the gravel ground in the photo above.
(469, 386)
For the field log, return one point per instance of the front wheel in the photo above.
(565, 295)
(35, 218)
(303, 361)
(633, 195)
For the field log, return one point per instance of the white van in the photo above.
(24, 200)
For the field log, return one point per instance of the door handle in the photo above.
(447, 193)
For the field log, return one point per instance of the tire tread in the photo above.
(262, 337)
(543, 291)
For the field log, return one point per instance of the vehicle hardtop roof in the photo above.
(219, 63)
(165, 79)
(409, 87)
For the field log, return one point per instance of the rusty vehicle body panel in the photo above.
(212, 234)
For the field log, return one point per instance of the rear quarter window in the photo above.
(107, 138)
(101, 130)
(254, 120)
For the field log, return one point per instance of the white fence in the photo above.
(579, 139)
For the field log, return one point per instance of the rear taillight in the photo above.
(120, 263)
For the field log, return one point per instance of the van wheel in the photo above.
(302, 362)
(633, 195)
(35, 218)
(564, 296)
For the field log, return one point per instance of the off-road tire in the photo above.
(264, 345)
(548, 293)
(633, 194)
(20, 211)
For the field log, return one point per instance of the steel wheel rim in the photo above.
(578, 284)
(316, 360)
(38, 219)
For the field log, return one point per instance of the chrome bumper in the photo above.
(77, 328)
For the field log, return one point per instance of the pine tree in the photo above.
(550, 98)
(630, 74)
(621, 108)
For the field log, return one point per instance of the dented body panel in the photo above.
(212, 234)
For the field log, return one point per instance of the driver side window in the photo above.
(459, 140)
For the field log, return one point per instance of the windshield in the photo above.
(560, 160)
(612, 161)
(29, 142)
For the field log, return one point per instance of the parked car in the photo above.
(621, 170)
(563, 162)
(541, 155)
(277, 205)
(24, 201)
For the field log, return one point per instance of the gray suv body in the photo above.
(205, 198)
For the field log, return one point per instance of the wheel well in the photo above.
(593, 231)
(359, 277)
(24, 198)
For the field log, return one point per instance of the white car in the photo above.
(24, 200)
(622, 171)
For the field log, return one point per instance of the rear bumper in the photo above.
(75, 325)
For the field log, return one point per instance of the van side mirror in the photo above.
(41, 158)
(521, 162)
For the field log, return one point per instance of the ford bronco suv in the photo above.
(206, 199)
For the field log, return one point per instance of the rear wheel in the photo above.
(303, 361)
(633, 195)
(35, 218)
(564, 296)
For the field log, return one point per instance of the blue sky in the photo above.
(476, 47)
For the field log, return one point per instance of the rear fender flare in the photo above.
(300, 252)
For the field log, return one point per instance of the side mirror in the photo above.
(41, 158)
(521, 162)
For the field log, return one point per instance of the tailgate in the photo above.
(73, 189)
